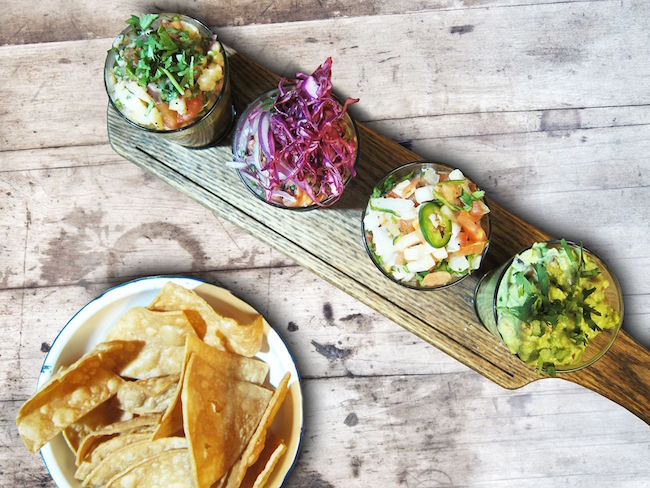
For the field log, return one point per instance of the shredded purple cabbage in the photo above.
(299, 140)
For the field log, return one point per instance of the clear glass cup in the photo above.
(238, 144)
(489, 287)
(398, 173)
(208, 129)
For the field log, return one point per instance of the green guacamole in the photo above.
(550, 303)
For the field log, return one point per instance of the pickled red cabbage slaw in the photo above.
(297, 147)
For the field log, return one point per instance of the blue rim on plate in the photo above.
(46, 368)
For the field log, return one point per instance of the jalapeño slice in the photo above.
(436, 236)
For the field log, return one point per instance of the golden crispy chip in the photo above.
(228, 364)
(219, 417)
(144, 423)
(164, 336)
(258, 474)
(151, 395)
(120, 460)
(256, 443)
(170, 469)
(73, 392)
(104, 449)
(101, 416)
(221, 332)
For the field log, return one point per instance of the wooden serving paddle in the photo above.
(329, 243)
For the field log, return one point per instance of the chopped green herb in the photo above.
(445, 202)
(549, 368)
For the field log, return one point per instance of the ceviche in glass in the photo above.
(555, 305)
(426, 225)
(296, 146)
(165, 72)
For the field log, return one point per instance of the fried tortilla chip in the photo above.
(221, 332)
(144, 423)
(256, 443)
(258, 474)
(105, 414)
(170, 469)
(151, 395)
(219, 416)
(163, 334)
(73, 392)
(104, 449)
(227, 364)
(122, 459)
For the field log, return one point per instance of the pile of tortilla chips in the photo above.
(172, 398)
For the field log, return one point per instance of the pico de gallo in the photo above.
(296, 146)
(166, 74)
(425, 228)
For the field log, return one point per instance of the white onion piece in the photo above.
(417, 252)
(456, 175)
(423, 264)
(371, 221)
(404, 208)
(383, 244)
(407, 240)
(439, 253)
(458, 263)
(424, 194)
(431, 176)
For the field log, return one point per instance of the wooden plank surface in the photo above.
(550, 432)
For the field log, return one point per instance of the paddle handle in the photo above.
(622, 375)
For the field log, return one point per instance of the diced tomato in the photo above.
(470, 248)
(463, 238)
(478, 210)
(194, 106)
(473, 229)
(170, 117)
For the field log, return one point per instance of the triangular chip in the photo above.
(105, 414)
(106, 448)
(256, 443)
(144, 423)
(130, 455)
(163, 334)
(221, 332)
(219, 416)
(147, 396)
(168, 469)
(73, 392)
(227, 364)
(258, 474)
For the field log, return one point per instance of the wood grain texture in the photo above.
(328, 241)
(383, 407)
(422, 69)
(50, 20)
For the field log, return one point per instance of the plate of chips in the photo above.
(166, 381)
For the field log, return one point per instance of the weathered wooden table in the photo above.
(546, 105)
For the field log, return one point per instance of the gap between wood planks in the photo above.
(379, 124)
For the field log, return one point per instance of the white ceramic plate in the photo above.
(90, 325)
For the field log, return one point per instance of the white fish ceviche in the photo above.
(426, 227)
(167, 73)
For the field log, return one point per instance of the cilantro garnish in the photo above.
(538, 304)
(549, 368)
(468, 198)
(164, 56)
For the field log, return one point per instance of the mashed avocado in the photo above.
(551, 303)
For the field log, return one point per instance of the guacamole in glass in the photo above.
(551, 302)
